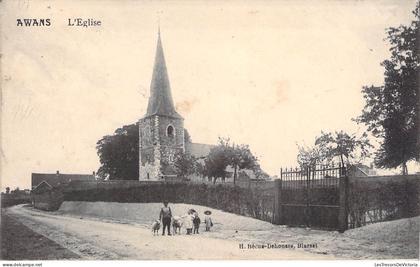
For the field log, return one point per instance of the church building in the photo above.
(161, 130)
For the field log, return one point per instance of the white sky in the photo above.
(265, 73)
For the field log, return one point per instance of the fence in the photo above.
(312, 197)
(324, 197)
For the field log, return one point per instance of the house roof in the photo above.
(160, 100)
(42, 187)
(55, 179)
(198, 150)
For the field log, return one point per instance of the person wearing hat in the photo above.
(207, 220)
(165, 217)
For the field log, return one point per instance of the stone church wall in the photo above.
(170, 145)
(157, 148)
(149, 152)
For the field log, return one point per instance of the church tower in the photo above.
(161, 130)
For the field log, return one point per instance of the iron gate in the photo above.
(312, 197)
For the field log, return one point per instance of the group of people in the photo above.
(190, 221)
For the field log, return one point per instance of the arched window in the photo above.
(170, 131)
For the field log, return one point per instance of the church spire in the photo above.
(160, 100)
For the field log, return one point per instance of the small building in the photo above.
(46, 197)
(59, 179)
(47, 188)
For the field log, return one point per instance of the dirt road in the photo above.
(18, 242)
(93, 239)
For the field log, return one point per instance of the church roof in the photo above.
(160, 100)
(198, 150)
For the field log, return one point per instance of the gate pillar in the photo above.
(277, 201)
(343, 211)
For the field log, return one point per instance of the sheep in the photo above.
(177, 224)
(156, 227)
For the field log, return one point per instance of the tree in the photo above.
(119, 154)
(348, 148)
(344, 146)
(200, 169)
(311, 156)
(215, 163)
(259, 173)
(391, 111)
(240, 157)
(7, 190)
(15, 191)
(185, 164)
(226, 153)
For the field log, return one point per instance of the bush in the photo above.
(376, 200)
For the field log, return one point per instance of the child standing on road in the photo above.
(188, 222)
(196, 222)
(207, 220)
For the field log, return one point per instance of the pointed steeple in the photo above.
(160, 100)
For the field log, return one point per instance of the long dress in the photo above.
(207, 221)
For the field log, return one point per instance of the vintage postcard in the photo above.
(210, 130)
